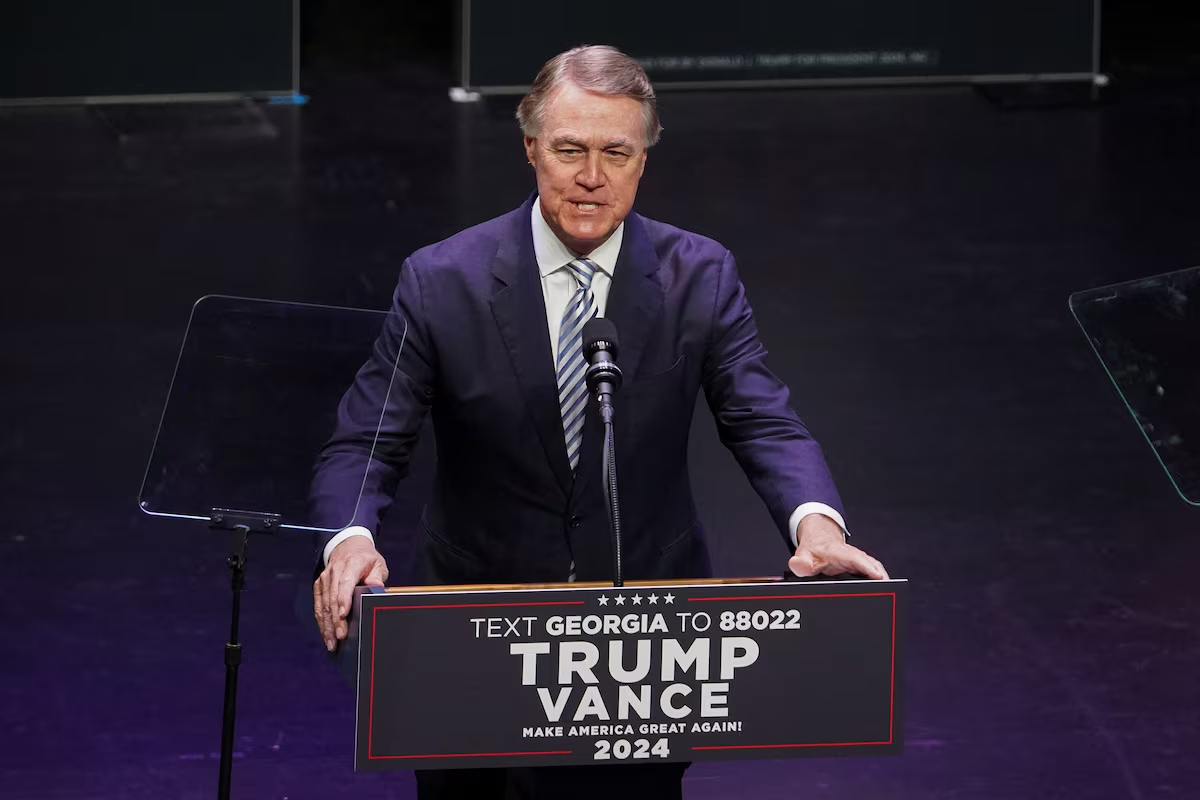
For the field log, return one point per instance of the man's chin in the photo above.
(585, 238)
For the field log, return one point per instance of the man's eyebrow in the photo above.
(571, 141)
(563, 141)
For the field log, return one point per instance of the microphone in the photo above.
(600, 347)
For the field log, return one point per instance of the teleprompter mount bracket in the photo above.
(228, 519)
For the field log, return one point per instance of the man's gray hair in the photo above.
(594, 68)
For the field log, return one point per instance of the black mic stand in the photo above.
(242, 524)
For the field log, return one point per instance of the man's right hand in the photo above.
(352, 562)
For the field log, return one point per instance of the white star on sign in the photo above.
(669, 598)
(620, 599)
(603, 600)
(653, 599)
(637, 599)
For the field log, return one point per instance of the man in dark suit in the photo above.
(492, 348)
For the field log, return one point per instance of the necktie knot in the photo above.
(584, 270)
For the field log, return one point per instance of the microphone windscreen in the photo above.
(599, 329)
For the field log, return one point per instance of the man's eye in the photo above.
(569, 152)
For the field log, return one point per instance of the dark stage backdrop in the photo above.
(84, 48)
(687, 41)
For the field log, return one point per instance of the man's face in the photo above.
(588, 157)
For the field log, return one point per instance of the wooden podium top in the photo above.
(513, 587)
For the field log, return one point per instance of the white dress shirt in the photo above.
(558, 286)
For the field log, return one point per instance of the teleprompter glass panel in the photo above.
(257, 394)
(1147, 335)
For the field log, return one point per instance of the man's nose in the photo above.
(592, 175)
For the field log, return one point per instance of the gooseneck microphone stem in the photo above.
(603, 380)
(610, 488)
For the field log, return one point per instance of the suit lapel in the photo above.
(635, 301)
(636, 297)
(519, 308)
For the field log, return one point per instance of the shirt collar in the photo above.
(552, 255)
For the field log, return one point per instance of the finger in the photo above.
(347, 579)
(860, 563)
(317, 606)
(321, 610)
(802, 565)
(863, 564)
(798, 567)
(377, 576)
(881, 574)
(328, 611)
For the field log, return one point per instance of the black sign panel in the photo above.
(690, 41)
(639, 674)
(80, 48)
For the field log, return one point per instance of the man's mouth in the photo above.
(586, 206)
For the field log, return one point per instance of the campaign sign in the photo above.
(645, 673)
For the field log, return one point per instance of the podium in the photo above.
(654, 671)
(502, 675)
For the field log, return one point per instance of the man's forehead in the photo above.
(571, 111)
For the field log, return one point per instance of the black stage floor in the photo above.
(909, 254)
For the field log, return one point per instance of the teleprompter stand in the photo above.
(253, 403)
(242, 524)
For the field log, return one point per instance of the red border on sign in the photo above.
(792, 596)
(891, 686)
(769, 746)
(371, 700)
(479, 755)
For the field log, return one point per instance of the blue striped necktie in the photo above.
(572, 367)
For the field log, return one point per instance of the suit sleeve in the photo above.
(750, 404)
(357, 473)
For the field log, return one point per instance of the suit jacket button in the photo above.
(574, 522)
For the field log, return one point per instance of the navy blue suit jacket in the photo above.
(476, 353)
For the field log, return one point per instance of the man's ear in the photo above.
(530, 148)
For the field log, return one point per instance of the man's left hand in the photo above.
(823, 550)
